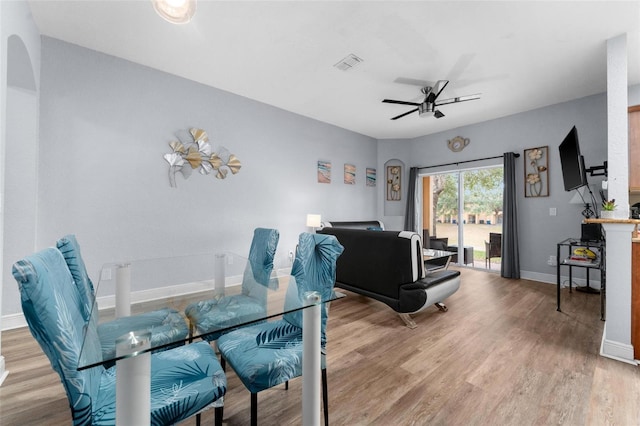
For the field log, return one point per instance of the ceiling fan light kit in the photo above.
(428, 106)
(175, 11)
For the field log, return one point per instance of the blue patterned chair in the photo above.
(207, 316)
(166, 325)
(184, 380)
(270, 353)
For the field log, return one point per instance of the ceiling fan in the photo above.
(428, 106)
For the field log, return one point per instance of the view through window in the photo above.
(475, 219)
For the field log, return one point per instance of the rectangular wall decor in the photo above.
(394, 188)
(324, 171)
(350, 174)
(371, 176)
(536, 172)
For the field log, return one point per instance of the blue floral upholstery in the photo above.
(207, 316)
(166, 325)
(183, 380)
(270, 353)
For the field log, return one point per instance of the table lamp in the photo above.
(314, 221)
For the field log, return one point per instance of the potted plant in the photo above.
(608, 206)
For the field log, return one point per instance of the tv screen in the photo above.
(572, 163)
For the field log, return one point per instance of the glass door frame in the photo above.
(460, 193)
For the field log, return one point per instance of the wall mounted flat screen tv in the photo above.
(572, 163)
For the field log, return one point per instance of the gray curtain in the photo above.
(410, 211)
(510, 254)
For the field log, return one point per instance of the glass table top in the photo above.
(221, 291)
(431, 254)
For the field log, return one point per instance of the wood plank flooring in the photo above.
(501, 355)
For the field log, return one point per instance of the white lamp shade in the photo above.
(175, 11)
(582, 195)
(314, 220)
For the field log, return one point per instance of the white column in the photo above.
(311, 365)
(133, 380)
(219, 274)
(123, 290)
(616, 342)
(618, 125)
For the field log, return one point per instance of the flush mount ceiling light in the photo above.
(175, 11)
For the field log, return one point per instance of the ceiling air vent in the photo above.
(348, 62)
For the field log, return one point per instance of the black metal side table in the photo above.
(598, 263)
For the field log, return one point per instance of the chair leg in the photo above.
(223, 363)
(198, 419)
(254, 409)
(218, 413)
(286, 385)
(325, 397)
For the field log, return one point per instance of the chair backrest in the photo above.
(53, 309)
(70, 249)
(314, 269)
(257, 275)
(495, 242)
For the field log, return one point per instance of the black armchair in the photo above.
(493, 248)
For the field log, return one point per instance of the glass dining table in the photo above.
(189, 283)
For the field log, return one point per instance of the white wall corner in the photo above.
(617, 351)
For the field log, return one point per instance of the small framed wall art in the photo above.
(350, 174)
(536, 172)
(371, 176)
(324, 171)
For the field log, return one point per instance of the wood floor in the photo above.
(501, 355)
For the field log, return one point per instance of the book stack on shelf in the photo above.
(583, 256)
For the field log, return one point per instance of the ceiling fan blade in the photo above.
(413, 82)
(458, 99)
(444, 84)
(391, 101)
(406, 113)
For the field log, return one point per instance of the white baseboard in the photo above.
(564, 279)
(616, 350)
(9, 322)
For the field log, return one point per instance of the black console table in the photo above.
(565, 260)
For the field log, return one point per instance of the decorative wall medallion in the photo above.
(194, 148)
(458, 143)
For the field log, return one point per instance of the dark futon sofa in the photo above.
(388, 266)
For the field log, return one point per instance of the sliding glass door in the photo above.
(463, 209)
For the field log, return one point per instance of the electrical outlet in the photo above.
(552, 211)
(291, 256)
(553, 261)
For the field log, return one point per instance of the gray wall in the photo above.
(105, 125)
(539, 232)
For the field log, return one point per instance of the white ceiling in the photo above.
(519, 55)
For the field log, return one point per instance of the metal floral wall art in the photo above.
(192, 151)
(536, 172)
